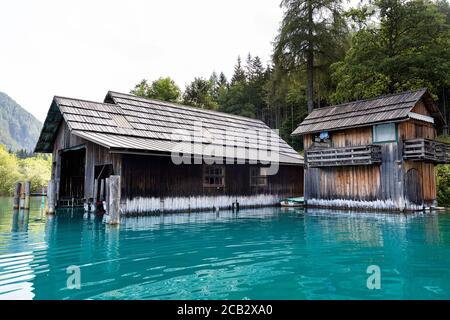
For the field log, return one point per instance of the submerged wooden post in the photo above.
(114, 200)
(17, 195)
(102, 190)
(51, 195)
(107, 195)
(26, 204)
(95, 192)
(22, 196)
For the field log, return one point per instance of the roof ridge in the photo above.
(85, 100)
(352, 111)
(373, 98)
(176, 104)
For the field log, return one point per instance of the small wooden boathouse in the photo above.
(378, 153)
(226, 158)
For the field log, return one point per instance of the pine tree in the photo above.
(310, 29)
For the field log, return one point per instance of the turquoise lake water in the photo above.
(255, 254)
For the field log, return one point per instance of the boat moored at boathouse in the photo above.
(165, 156)
(378, 153)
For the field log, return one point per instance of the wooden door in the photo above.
(413, 187)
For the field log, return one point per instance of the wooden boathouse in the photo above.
(378, 153)
(135, 138)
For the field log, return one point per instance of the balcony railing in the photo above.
(426, 150)
(347, 156)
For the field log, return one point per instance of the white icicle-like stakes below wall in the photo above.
(360, 204)
(149, 205)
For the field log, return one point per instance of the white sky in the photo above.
(83, 48)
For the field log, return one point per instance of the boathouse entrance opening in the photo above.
(71, 185)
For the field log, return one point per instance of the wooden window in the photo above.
(386, 132)
(258, 177)
(214, 176)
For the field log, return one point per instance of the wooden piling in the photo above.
(22, 196)
(51, 196)
(95, 192)
(102, 189)
(17, 195)
(107, 195)
(27, 192)
(114, 200)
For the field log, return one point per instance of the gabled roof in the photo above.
(130, 123)
(393, 108)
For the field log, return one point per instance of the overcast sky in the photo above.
(83, 48)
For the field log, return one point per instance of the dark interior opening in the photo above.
(101, 172)
(72, 174)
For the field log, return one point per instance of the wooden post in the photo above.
(26, 204)
(17, 195)
(95, 194)
(102, 190)
(107, 195)
(22, 196)
(114, 200)
(51, 196)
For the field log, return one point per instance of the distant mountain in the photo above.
(19, 129)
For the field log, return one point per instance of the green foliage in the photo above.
(443, 179)
(312, 36)
(163, 89)
(443, 185)
(36, 169)
(18, 128)
(246, 94)
(200, 93)
(326, 33)
(407, 49)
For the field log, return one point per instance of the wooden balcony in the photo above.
(426, 150)
(347, 156)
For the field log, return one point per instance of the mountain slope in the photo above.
(19, 129)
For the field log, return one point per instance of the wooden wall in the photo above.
(426, 175)
(157, 176)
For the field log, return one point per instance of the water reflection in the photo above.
(266, 253)
(20, 219)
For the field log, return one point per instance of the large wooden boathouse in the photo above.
(219, 159)
(375, 154)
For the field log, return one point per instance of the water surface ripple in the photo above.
(254, 254)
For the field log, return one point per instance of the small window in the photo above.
(214, 176)
(258, 177)
(321, 139)
(384, 133)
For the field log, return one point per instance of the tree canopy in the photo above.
(407, 48)
(163, 89)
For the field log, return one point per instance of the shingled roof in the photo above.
(389, 108)
(127, 122)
